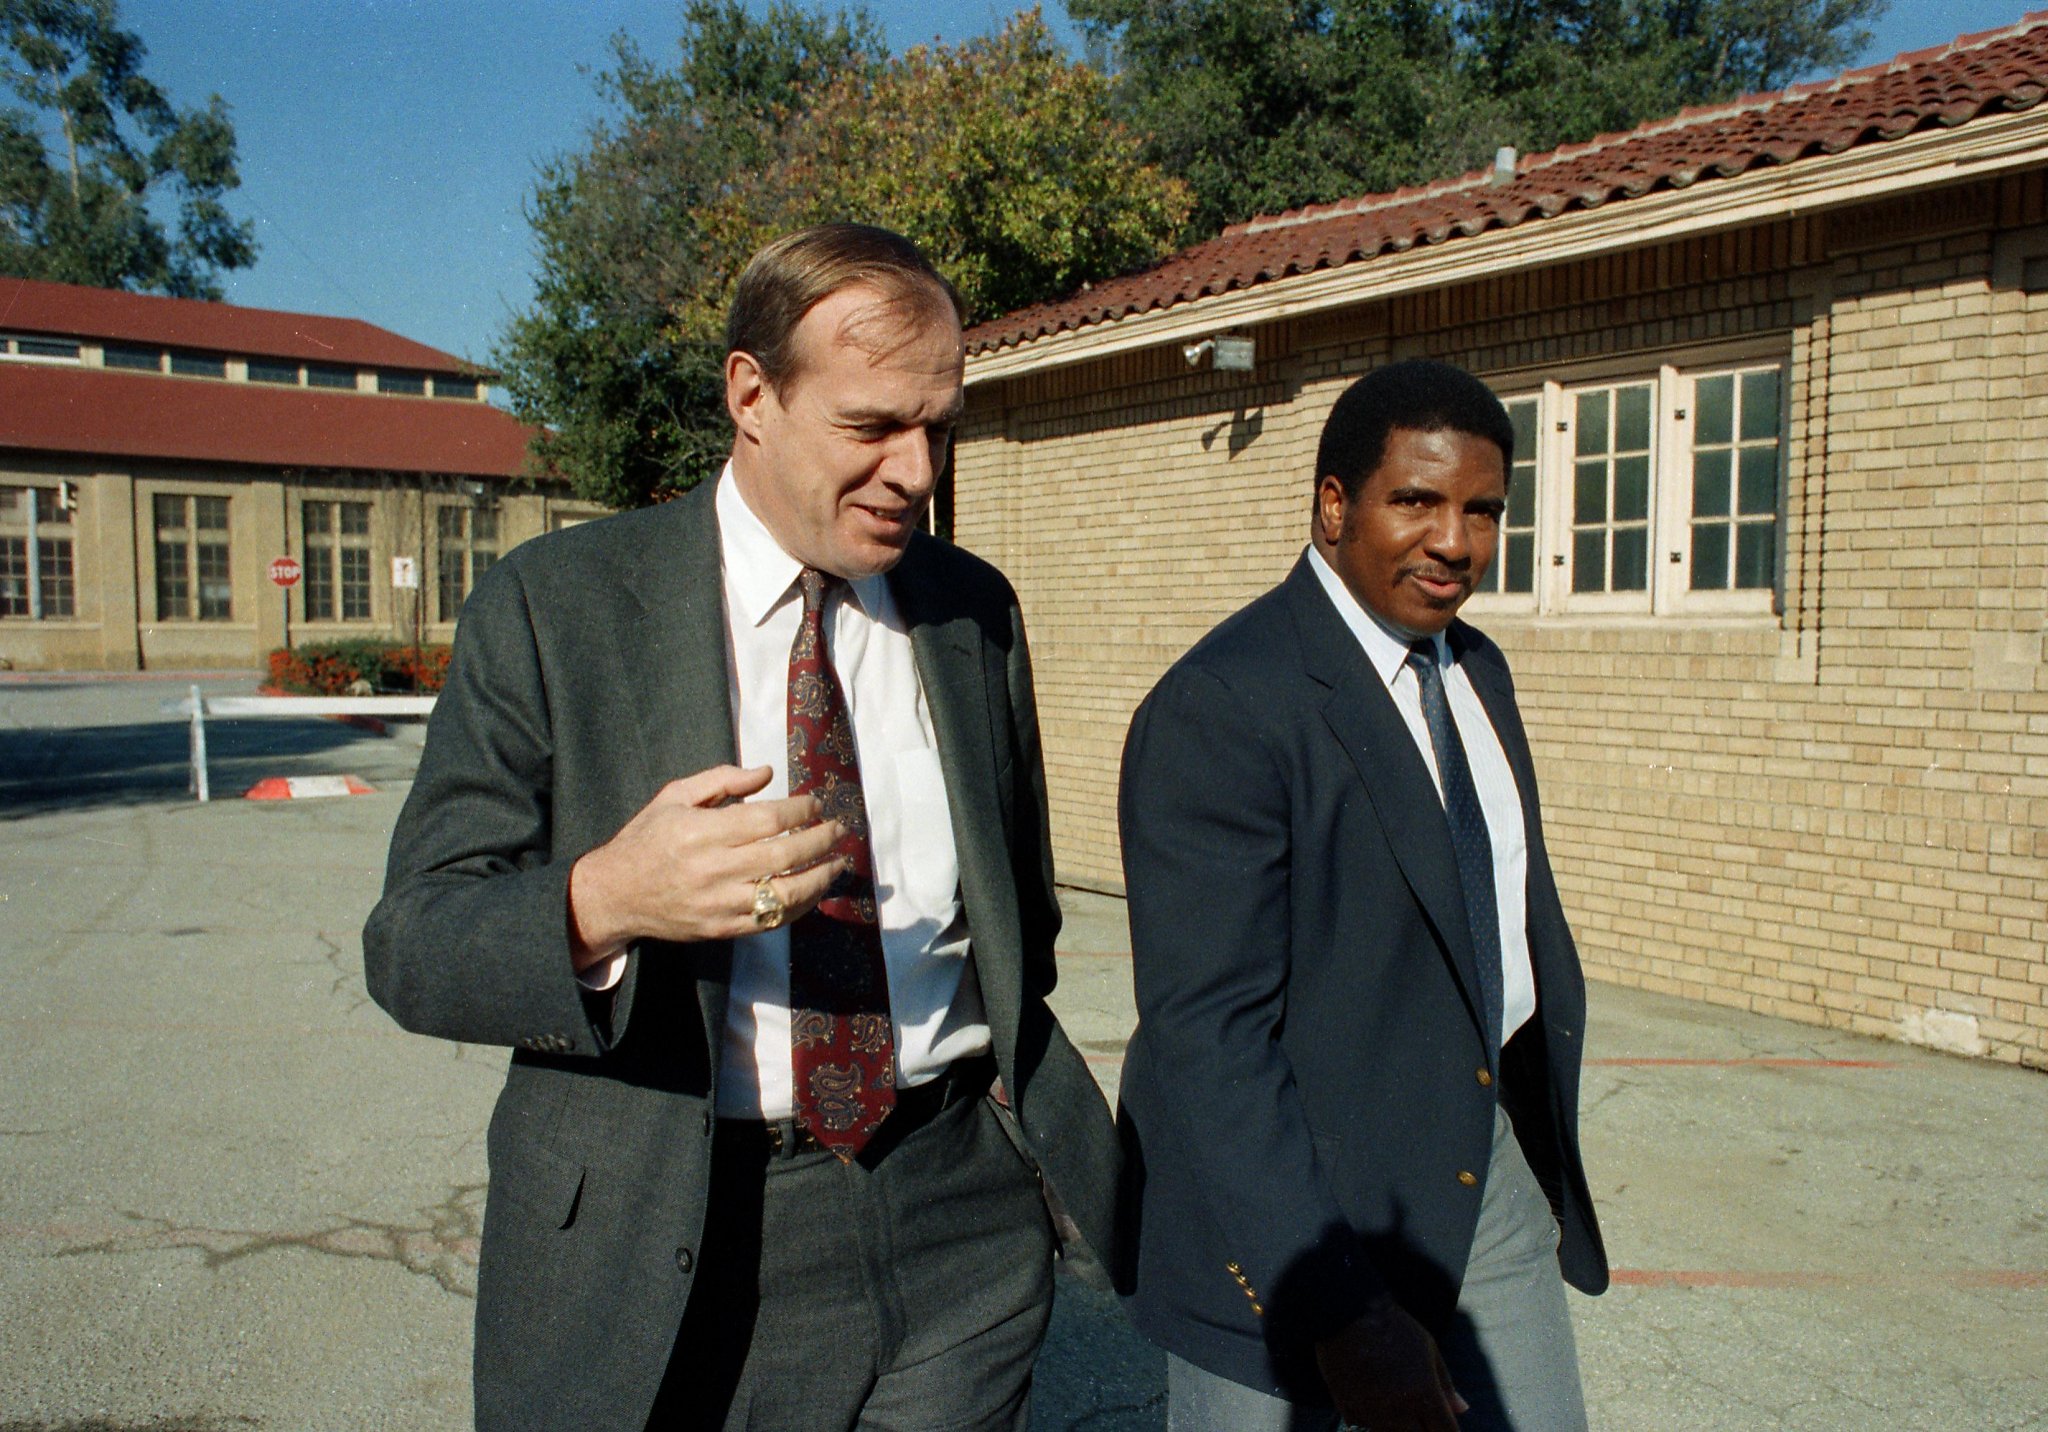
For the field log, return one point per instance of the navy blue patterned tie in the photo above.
(1469, 839)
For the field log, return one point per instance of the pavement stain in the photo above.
(443, 1249)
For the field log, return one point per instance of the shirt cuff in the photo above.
(604, 972)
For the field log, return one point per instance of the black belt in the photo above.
(963, 1079)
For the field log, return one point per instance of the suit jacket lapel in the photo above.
(682, 709)
(1363, 718)
(952, 663)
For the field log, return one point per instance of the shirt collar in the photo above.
(1384, 647)
(757, 571)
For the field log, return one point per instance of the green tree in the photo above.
(999, 157)
(82, 214)
(632, 404)
(1264, 105)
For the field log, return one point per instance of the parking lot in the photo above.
(234, 1195)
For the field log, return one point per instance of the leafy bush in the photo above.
(330, 668)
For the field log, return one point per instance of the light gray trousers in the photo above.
(1511, 1353)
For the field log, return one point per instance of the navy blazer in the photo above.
(1308, 1089)
(590, 669)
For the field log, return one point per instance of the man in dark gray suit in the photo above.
(1351, 1101)
(732, 823)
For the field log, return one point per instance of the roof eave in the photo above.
(1988, 146)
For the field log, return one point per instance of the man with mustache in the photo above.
(732, 824)
(1350, 1105)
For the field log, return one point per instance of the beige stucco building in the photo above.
(1775, 573)
(157, 455)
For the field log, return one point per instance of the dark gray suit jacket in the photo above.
(1308, 1079)
(590, 669)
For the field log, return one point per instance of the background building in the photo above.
(156, 454)
(1775, 570)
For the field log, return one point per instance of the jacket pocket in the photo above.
(535, 1185)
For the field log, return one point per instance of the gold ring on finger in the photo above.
(769, 911)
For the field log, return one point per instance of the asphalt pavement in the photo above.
(234, 1195)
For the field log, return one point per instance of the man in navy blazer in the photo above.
(1350, 1106)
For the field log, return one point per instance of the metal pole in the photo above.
(198, 785)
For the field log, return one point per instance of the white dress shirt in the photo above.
(933, 998)
(1499, 798)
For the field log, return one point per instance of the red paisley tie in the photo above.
(842, 1045)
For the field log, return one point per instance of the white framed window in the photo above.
(1647, 493)
(38, 580)
(467, 546)
(337, 566)
(194, 577)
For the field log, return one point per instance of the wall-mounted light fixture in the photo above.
(1226, 352)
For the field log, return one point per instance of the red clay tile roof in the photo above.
(29, 306)
(1996, 70)
(59, 408)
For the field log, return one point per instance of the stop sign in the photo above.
(285, 571)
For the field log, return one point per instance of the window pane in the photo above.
(355, 519)
(319, 587)
(1710, 483)
(1589, 496)
(327, 375)
(479, 563)
(1521, 563)
(59, 590)
(13, 504)
(264, 370)
(1632, 419)
(450, 574)
(1522, 497)
(210, 514)
(173, 582)
(1631, 489)
(146, 360)
(448, 520)
(455, 387)
(1715, 398)
(49, 510)
(1759, 490)
(1631, 559)
(1760, 404)
(483, 525)
(1589, 561)
(1592, 423)
(46, 348)
(1709, 556)
(389, 382)
(1522, 415)
(355, 584)
(170, 513)
(1755, 551)
(14, 577)
(216, 585)
(199, 365)
(319, 518)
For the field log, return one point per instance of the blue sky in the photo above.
(388, 146)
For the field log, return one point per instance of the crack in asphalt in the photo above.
(347, 981)
(205, 1422)
(443, 1248)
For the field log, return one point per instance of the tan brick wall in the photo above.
(1838, 815)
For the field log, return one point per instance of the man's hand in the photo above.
(685, 867)
(1386, 1375)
